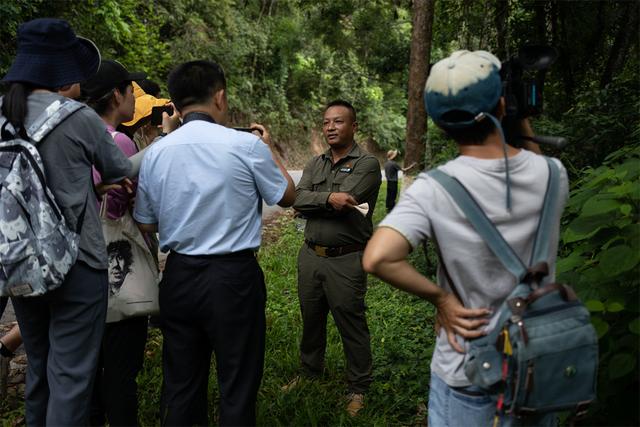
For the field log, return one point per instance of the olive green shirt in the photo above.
(358, 173)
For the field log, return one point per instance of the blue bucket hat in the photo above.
(462, 87)
(50, 55)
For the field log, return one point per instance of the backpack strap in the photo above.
(51, 117)
(541, 243)
(490, 234)
(483, 225)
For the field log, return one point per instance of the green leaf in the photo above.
(618, 259)
(626, 209)
(569, 263)
(620, 365)
(597, 206)
(594, 306)
(615, 306)
(600, 326)
(584, 227)
(634, 326)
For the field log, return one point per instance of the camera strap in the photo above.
(506, 157)
(197, 115)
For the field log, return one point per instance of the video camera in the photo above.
(523, 81)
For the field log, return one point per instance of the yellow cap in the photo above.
(144, 104)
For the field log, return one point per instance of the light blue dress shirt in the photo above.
(204, 185)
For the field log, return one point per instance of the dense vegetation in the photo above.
(286, 58)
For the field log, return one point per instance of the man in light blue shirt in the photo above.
(201, 187)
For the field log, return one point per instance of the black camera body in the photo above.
(523, 82)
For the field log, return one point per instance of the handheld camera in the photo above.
(156, 114)
(523, 82)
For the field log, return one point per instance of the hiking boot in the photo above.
(295, 382)
(355, 402)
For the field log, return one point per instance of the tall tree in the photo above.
(627, 28)
(421, 36)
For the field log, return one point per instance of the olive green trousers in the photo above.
(336, 284)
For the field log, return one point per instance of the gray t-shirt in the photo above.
(68, 153)
(426, 211)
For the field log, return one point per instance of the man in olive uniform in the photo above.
(337, 193)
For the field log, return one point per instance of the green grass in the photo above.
(402, 339)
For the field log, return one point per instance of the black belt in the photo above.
(333, 251)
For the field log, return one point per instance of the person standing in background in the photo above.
(391, 168)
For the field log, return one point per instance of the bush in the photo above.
(601, 258)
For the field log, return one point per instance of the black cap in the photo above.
(109, 76)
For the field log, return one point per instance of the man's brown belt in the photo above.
(329, 251)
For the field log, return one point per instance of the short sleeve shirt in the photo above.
(204, 185)
(427, 211)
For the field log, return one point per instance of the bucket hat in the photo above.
(109, 76)
(462, 87)
(144, 104)
(50, 55)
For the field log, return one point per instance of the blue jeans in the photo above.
(469, 406)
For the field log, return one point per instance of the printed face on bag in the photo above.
(120, 260)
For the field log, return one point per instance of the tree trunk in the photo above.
(565, 48)
(501, 12)
(540, 22)
(421, 34)
(628, 26)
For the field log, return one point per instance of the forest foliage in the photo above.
(286, 58)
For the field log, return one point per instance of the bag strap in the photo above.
(488, 231)
(483, 225)
(540, 251)
(51, 117)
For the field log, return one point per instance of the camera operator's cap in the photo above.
(110, 74)
(51, 55)
(461, 87)
(144, 104)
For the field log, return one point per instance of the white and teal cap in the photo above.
(462, 87)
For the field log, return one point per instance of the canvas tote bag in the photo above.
(133, 269)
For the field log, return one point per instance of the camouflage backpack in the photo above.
(37, 249)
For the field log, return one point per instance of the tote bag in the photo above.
(133, 269)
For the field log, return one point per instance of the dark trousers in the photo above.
(3, 305)
(392, 193)
(339, 285)
(62, 331)
(116, 391)
(212, 304)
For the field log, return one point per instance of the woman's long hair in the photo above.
(14, 106)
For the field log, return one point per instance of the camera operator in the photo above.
(201, 187)
(463, 97)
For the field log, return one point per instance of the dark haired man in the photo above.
(202, 187)
(332, 192)
(463, 97)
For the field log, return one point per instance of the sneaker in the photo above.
(295, 382)
(355, 402)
